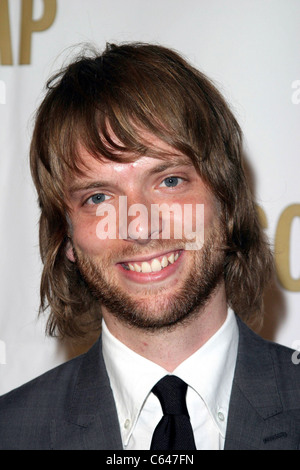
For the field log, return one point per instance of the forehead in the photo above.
(161, 156)
(107, 172)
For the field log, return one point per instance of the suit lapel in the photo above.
(256, 419)
(91, 419)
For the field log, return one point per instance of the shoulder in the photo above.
(51, 382)
(266, 358)
(286, 365)
(254, 342)
(25, 412)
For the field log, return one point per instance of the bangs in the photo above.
(113, 104)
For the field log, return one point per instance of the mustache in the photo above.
(134, 249)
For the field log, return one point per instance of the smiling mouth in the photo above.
(153, 265)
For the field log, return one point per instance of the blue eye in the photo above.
(97, 198)
(172, 181)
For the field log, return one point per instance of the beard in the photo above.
(153, 307)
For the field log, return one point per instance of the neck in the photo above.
(169, 348)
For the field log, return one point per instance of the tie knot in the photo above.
(171, 392)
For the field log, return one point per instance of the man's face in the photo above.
(141, 274)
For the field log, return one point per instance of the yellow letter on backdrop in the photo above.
(5, 37)
(282, 248)
(29, 26)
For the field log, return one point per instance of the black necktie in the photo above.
(174, 431)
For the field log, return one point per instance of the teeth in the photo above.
(137, 268)
(154, 266)
(146, 268)
(171, 258)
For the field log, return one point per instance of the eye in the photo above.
(97, 199)
(171, 181)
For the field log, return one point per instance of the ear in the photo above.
(70, 251)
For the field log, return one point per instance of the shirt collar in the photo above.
(132, 377)
(125, 369)
(215, 362)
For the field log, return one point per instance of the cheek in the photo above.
(84, 235)
(204, 211)
(210, 214)
(211, 207)
(86, 240)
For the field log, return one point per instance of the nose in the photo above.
(135, 222)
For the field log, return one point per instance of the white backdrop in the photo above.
(250, 48)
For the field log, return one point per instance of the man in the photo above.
(120, 137)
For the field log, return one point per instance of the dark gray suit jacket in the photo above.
(72, 406)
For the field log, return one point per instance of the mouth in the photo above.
(152, 265)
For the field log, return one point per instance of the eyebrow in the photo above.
(169, 165)
(85, 185)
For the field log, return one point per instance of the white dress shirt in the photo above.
(208, 372)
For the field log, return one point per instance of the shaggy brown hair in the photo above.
(123, 90)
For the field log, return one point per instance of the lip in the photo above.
(149, 257)
(145, 278)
